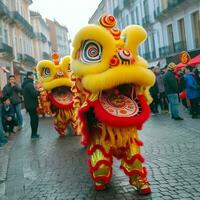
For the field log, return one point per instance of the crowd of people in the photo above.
(174, 85)
(11, 119)
(171, 87)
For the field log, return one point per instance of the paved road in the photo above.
(55, 169)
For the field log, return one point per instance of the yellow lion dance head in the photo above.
(54, 77)
(105, 58)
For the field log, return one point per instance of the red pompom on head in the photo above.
(114, 61)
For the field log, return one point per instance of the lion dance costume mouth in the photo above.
(55, 78)
(115, 82)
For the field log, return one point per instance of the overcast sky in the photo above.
(71, 13)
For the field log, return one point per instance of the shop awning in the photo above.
(193, 61)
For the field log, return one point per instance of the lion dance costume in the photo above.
(115, 81)
(43, 102)
(55, 78)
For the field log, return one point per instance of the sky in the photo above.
(72, 13)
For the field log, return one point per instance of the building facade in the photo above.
(16, 36)
(101, 10)
(59, 37)
(172, 26)
(41, 43)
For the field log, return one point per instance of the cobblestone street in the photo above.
(54, 168)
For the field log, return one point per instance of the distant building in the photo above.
(102, 9)
(172, 26)
(42, 44)
(59, 37)
(16, 36)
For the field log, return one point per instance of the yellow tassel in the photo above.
(112, 136)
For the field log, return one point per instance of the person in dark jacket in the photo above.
(171, 89)
(14, 92)
(31, 102)
(8, 115)
(192, 90)
(161, 89)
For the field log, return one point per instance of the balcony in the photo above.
(41, 37)
(46, 56)
(4, 12)
(180, 46)
(116, 11)
(6, 51)
(173, 3)
(25, 26)
(164, 51)
(25, 58)
(173, 6)
(150, 55)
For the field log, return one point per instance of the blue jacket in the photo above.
(192, 88)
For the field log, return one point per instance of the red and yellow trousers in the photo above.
(122, 143)
(62, 118)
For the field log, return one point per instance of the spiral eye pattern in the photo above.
(46, 72)
(125, 55)
(91, 52)
(107, 21)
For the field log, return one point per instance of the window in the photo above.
(137, 15)
(181, 27)
(170, 38)
(114, 3)
(123, 22)
(1, 37)
(132, 17)
(127, 20)
(146, 8)
(6, 36)
(196, 28)
(146, 46)
(153, 46)
(164, 4)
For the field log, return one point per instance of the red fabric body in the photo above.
(58, 105)
(103, 116)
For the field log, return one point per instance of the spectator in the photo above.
(197, 74)
(8, 116)
(14, 92)
(192, 90)
(162, 98)
(171, 89)
(181, 88)
(31, 102)
(3, 139)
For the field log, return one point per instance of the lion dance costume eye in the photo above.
(115, 82)
(55, 79)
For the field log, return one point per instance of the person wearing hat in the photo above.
(171, 89)
(31, 102)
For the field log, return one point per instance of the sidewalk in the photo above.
(54, 168)
(4, 154)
